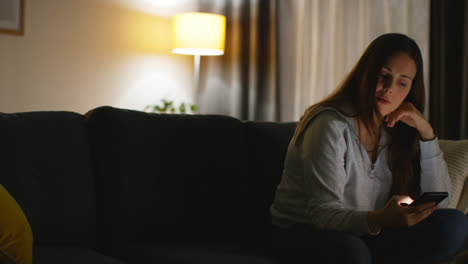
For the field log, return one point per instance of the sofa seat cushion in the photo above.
(70, 255)
(169, 253)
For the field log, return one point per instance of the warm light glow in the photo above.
(198, 34)
(406, 200)
(145, 33)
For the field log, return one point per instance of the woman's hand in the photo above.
(410, 115)
(396, 215)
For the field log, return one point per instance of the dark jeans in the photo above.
(438, 238)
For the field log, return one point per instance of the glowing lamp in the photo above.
(198, 34)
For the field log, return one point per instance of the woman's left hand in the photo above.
(410, 115)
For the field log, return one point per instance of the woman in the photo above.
(356, 157)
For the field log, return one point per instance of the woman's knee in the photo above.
(352, 249)
(451, 225)
(322, 247)
(342, 248)
(450, 219)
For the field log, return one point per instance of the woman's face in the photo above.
(394, 82)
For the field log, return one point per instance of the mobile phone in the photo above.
(427, 197)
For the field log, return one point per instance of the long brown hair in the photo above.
(359, 87)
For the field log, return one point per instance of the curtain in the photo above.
(321, 40)
(283, 56)
(449, 68)
(243, 82)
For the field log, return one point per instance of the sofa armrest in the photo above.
(463, 201)
(456, 157)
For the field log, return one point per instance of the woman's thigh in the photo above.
(305, 244)
(439, 237)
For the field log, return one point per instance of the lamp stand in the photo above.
(196, 77)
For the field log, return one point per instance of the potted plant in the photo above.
(169, 107)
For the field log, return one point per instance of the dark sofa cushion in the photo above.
(163, 177)
(70, 255)
(267, 146)
(46, 166)
(188, 254)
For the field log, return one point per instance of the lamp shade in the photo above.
(198, 33)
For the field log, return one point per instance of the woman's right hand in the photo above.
(396, 215)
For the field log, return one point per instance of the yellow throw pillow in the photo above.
(15, 233)
(5, 259)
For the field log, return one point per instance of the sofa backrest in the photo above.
(46, 166)
(267, 144)
(163, 177)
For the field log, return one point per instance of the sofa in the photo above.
(125, 186)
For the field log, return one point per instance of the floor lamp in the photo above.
(198, 34)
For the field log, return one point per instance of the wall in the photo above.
(77, 55)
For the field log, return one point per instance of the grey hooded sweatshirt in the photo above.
(330, 182)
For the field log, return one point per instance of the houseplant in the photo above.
(168, 106)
